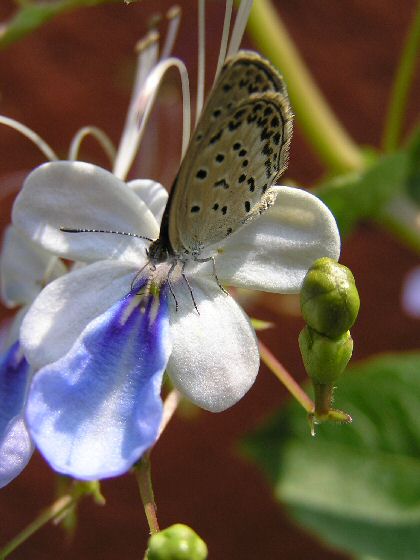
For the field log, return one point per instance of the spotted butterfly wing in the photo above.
(239, 148)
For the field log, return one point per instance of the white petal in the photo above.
(25, 268)
(411, 293)
(152, 194)
(215, 357)
(12, 328)
(81, 195)
(67, 305)
(273, 252)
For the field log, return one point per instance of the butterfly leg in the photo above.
(137, 277)
(184, 264)
(171, 289)
(213, 260)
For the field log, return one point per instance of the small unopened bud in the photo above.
(178, 542)
(329, 298)
(325, 358)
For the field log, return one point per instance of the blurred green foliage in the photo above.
(32, 14)
(358, 487)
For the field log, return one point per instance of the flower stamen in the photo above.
(103, 139)
(173, 15)
(225, 38)
(239, 26)
(31, 135)
(201, 66)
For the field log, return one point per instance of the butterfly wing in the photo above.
(238, 150)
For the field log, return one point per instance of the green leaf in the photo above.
(355, 486)
(361, 195)
(32, 15)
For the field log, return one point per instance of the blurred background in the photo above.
(78, 70)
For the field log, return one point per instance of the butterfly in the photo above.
(239, 148)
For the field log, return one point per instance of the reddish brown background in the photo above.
(77, 71)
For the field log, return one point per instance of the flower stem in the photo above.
(403, 79)
(56, 510)
(143, 472)
(284, 376)
(322, 129)
(143, 469)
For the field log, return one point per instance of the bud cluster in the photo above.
(330, 304)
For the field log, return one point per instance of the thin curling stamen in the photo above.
(32, 136)
(225, 37)
(173, 15)
(103, 139)
(201, 66)
(239, 26)
(147, 58)
(148, 96)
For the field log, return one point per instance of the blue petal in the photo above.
(15, 444)
(95, 411)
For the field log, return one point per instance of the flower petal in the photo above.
(15, 444)
(67, 305)
(273, 252)
(215, 357)
(96, 410)
(24, 268)
(152, 194)
(81, 195)
(411, 293)
(16, 449)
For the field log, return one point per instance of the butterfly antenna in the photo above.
(84, 230)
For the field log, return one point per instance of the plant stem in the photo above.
(144, 481)
(284, 376)
(403, 79)
(323, 398)
(322, 129)
(56, 510)
(143, 469)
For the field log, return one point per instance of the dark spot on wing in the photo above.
(222, 183)
(201, 174)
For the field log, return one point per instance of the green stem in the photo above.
(323, 397)
(402, 83)
(143, 472)
(56, 510)
(284, 376)
(332, 143)
(143, 469)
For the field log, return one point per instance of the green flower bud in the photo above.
(324, 358)
(178, 542)
(329, 299)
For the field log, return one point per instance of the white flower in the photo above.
(99, 345)
(81, 397)
(24, 268)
